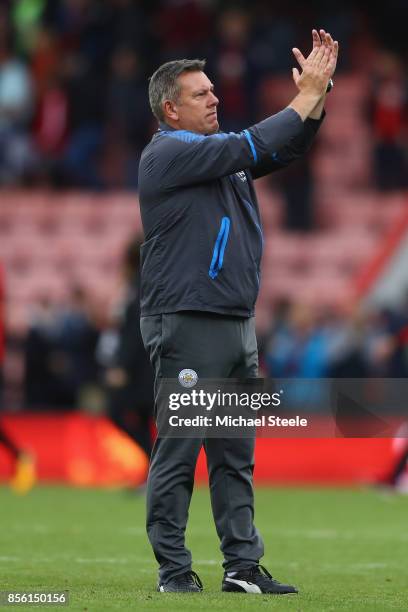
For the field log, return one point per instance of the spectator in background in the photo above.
(86, 92)
(50, 125)
(299, 347)
(50, 130)
(387, 342)
(44, 364)
(85, 28)
(132, 27)
(349, 25)
(129, 377)
(345, 332)
(78, 333)
(26, 16)
(388, 113)
(183, 27)
(228, 61)
(16, 99)
(273, 33)
(277, 338)
(297, 187)
(60, 352)
(128, 117)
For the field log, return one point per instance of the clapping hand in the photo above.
(325, 62)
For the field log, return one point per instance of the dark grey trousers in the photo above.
(215, 346)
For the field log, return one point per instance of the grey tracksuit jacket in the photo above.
(203, 232)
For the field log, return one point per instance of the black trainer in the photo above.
(256, 579)
(188, 582)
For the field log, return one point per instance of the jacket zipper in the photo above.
(219, 248)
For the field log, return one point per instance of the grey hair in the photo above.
(163, 83)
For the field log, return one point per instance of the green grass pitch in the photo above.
(344, 549)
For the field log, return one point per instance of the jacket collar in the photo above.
(164, 127)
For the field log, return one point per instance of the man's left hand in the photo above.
(319, 38)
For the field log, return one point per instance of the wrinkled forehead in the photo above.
(192, 82)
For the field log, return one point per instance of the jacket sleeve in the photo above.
(182, 158)
(280, 158)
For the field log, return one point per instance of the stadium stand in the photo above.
(59, 227)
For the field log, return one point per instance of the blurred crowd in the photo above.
(80, 354)
(76, 357)
(349, 341)
(74, 75)
(74, 113)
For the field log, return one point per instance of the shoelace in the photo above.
(188, 578)
(262, 574)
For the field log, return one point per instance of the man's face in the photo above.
(196, 108)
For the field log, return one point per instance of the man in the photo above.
(199, 283)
